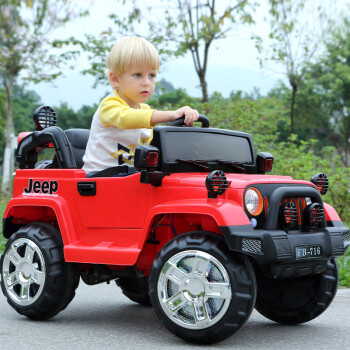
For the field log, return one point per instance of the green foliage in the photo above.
(311, 121)
(331, 77)
(3, 202)
(24, 103)
(67, 118)
(303, 159)
(256, 117)
(344, 269)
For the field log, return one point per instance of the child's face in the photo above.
(136, 85)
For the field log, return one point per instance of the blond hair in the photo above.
(129, 51)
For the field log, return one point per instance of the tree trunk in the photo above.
(292, 104)
(7, 168)
(204, 87)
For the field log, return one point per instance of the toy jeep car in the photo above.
(198, 231)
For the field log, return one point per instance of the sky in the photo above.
(232, 66)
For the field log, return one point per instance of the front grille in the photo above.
(288, 213)
(346, 239)
(251, 245)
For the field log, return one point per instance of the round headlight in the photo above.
(253, 201)
(321, 182)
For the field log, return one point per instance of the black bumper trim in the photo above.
(279, 247)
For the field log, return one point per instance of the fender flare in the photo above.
(224, 212)
(330, 213)
(57, 204)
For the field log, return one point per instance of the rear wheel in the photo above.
(136, 289)
(199, 290)
(36, 280)
(296, 300)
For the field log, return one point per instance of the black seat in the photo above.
(78, 139)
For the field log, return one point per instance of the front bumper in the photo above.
(277, 248)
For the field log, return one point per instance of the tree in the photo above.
(313, 120)
(332, 74)
(298, 31)
(182, 26)
(26, 49)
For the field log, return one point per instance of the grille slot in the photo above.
(251, 245)
(316, 216)
(346, 238)
(290, 214)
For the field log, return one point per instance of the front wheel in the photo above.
(200, 290)
(299, 299)
(36, 280)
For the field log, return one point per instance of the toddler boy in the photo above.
(123, 120)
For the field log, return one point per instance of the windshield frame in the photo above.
(160, 134)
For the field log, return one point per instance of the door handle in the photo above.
(87, 188)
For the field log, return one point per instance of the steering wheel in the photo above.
(181, 121)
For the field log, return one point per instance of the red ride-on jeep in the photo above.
(199, 231)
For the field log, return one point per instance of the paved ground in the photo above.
(100, 317)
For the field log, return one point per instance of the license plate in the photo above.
(308, 251)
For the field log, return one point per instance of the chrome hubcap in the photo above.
(194, 289)
(23, 271)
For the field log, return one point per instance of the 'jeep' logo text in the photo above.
(44, 187)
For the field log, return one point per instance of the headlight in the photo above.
(253, 201)
(321, 182)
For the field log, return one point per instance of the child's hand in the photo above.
(191, 115)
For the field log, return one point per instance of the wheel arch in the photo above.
(210, 215)
(20, 212)
(223, 212)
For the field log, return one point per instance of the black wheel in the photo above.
(36, 280)
(200, 290)
(296, 300)
(136, 289)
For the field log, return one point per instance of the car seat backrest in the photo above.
(78, 139)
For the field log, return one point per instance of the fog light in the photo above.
(216, 183)
(253, 222)
(321, 182)
(44, 117)
(313, 216)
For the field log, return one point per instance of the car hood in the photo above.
(236, 180)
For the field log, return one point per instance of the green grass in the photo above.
(343, 262)
(3, 203)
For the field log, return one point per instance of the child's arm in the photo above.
(191, 115)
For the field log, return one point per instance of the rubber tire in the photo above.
(61, 278)
(296, 300)
(243, 286)
(136, 289)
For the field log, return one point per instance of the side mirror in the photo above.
(264, 162)
(146, 157)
